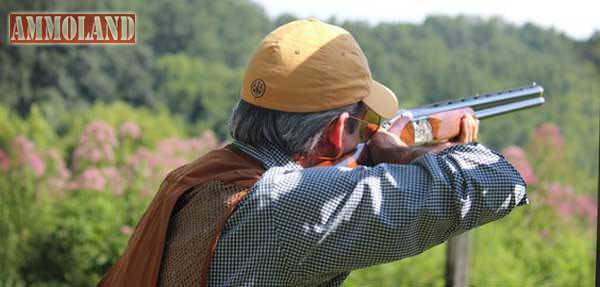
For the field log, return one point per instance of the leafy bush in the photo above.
(19, 214)
(78, 239)
(69, 205)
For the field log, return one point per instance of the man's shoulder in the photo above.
(282, 181)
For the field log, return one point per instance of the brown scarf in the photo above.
(219, 170)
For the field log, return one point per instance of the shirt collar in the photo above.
(269, 155)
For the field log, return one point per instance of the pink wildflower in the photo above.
(208, 140)
(114, 180)
(587, 207)
(559, 198)
(146, 192)
(517, 157)
(170, 154)
(126, 230)
(143, 156)
(567, 204)
(130, 130)
(4, 161)
(27, 155)
(96, 144)
(549, 133)
(92, 178)
(101, 179)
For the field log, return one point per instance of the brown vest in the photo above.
(213, 185)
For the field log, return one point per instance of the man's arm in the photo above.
(333, 219)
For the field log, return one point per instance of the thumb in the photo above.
(398, 125)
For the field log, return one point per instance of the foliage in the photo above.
(191, 55)
(69, 204)
(87, 133)
(18, 216)
(186, 82)
(79, 239)
(426, 269)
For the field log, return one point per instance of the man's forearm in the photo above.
(402, 155)
(369, 216)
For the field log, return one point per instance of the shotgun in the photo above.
(427, 125)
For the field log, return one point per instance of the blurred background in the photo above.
(88, 132)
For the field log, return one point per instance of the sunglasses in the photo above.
(368, 125)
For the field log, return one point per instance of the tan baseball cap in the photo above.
(311, 66)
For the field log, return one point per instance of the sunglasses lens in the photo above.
(367, 131)
(372, 117)
(369, 126)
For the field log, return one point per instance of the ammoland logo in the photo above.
(34, 28)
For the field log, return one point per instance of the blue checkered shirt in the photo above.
(313, 226)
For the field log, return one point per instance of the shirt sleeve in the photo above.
(332, 220)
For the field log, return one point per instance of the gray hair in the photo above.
(295, 133)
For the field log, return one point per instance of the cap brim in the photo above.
(382, 100)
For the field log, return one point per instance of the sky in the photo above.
(577, 18)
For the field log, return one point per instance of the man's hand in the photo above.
(469, 128)
(386, 146)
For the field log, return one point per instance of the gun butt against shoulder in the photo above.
(429, 124)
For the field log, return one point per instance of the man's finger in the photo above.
(399, 125)
(476, 129)
(469, 129)
(472, 128)
(464, 131)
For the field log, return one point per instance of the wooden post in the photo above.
(457, 261)
(598, 233)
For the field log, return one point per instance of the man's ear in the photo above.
(333, 136)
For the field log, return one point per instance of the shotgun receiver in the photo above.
(426, 125)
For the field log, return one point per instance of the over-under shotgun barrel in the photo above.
(485, 105)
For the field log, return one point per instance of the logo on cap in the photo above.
(258, 88)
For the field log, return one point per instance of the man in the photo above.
(271, 210)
